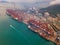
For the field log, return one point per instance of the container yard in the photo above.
(34, 23)
(29, 22)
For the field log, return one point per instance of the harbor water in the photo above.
(13, 32)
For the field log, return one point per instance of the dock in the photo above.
(34, 23)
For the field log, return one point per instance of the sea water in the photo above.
(13, 32)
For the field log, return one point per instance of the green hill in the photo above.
(54, 9)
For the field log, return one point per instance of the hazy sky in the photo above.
(40, 3)
(33, 1)
(55, 2)
(30, 1)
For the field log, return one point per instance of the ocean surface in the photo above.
(13, 32)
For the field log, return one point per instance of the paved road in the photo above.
(15, 33)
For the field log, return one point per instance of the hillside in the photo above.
(54, 9)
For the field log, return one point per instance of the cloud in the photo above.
(54, 2)
(29, 1)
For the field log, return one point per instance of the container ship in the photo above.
(33, 22)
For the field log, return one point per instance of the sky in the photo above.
(54, 2)
(39, 3)
(30, 1)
